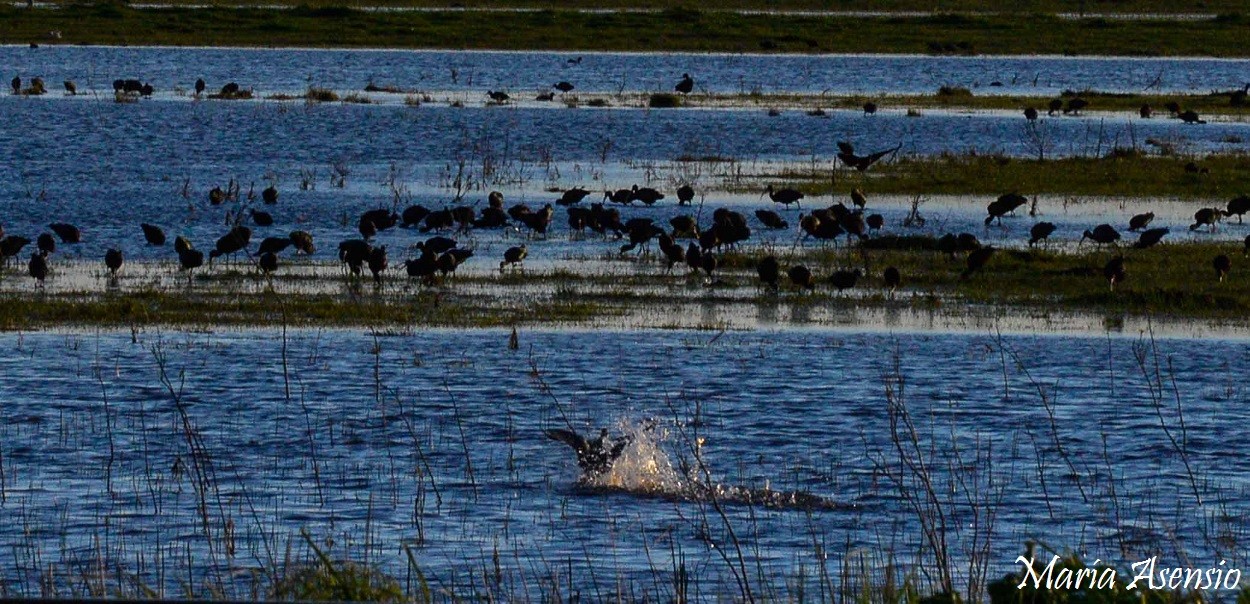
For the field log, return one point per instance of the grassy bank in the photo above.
(1173, 280)
(1123, 7)
(674, 29)
(1114, 174)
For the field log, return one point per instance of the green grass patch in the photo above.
(676, 29)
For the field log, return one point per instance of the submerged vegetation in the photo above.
(671, 29)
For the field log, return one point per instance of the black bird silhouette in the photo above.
(113, 260)
(1140, 221)
(1113, 271)
(846, 153)
(1145, 112)
(892, 279)
(1005, 204)
(200, 86)
(572, 196)
(1075, 106)
(1222, 265)
(232, 242)
(1040, 231)
(1238, 206)
(685, 85)
(11, 246)
(694, 256)
(1191, 117)
(377, 263)
(190, 259)
(46, 243)
(498, 96)
(273, 245)
(870, 108)
(67, 232)
(303, 242)
(425, 266)
(182, 244)
(976, 261)
(673, 252)
(685, 195)
(438, 244)
(594, 456)
(684, 226)
(16, 84)
(801, 277)
(1103, 234)
(230, 89)
(769, 271)
(1173, 107)
(844, 280)
(874, 221)
(1030, 113)
(452, 259)
(269, 195)
(1150, 237)
(709, 263)
(646, 195)
(153, 234)
(38, 267)
(563, 86)
(1053, 106)
(354, 253)
(262, 219)
(514, 255)
(1246, 250)
(1207, 216)
(771, 219)
(784, 196)
(414, 215)
(268, 262)
(858, 198)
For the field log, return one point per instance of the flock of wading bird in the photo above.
(439, 256)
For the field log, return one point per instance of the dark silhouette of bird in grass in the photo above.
(1040, 232)
(230, 243)
(262, 219)
(1150, 237)
(563, 86)
(976, 261)
(870, 108)
(269, 195)
(572, 196)
(1102, 234)
(38, 267)
(1222, 264)
(858, 198)
(12, 245)
(449, 261)
(844, 280)
(594, 456)
(153, 234)
(273, 245)
(354, 253)
(1075, 106)
(1114, 272)
(200, 86)
(893, 278)
(769, 271)
(1005, 204)
(113, 260)
(498, 96)
(1030, 113)
(801, 277)
(1145, 111)
(1140, 221)
(1053, 106)
(846, 153)
(190, 259)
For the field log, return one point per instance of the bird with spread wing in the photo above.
(846, 153)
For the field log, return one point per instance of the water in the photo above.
(433, 441)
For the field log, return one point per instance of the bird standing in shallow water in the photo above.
(514, 256)
(38, 267)
(1040, 232)
(1140, 221)
(113, 260)
(769, 271)
(1113, 271)
(892, 279)
(686, 85)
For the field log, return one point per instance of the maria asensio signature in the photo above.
(1058, 576)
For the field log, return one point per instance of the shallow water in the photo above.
(433, 440)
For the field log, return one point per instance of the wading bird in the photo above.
(594, 456)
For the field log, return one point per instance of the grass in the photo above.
(1116, 174)
(1208, 104)
(1028, 7)
(1176, 280)
(673, 29)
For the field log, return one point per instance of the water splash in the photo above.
(645, 469)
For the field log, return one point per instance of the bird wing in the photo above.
(846, 148)
(870, 159)
(567, 437)
(619, 447)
